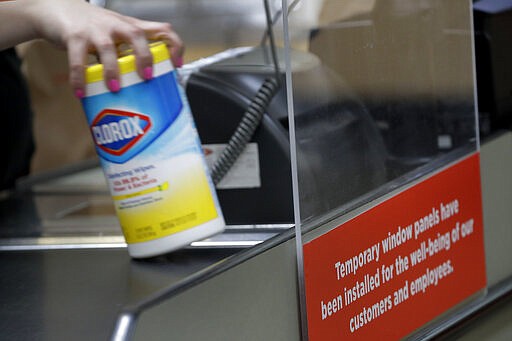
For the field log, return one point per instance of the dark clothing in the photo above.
(16, 142)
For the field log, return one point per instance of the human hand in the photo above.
(82, 28)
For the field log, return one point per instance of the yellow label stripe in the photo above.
(161, 187)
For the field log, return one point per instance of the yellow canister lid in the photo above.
(126, 62)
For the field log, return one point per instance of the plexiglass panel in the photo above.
(383, 100)
(385, 88)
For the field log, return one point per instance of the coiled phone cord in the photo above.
(245, 129)
(253, 115)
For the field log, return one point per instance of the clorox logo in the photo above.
(116, 131)
(139, 119)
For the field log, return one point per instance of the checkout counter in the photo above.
(365, 109)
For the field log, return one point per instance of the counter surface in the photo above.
(78, 294)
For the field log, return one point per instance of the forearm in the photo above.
(17, 23)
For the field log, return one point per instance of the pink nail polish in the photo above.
(79, 93)
(148, 73)
(113, 85)
(178, 62)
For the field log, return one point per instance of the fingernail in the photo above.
(113, 85)
(178, 62)
(79, 93)
(148, 73)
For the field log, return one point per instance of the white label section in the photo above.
(245, 172)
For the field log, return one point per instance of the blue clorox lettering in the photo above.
(123, 124)
(115, 131)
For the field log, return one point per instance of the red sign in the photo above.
(397, 266)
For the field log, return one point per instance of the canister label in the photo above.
(152, 159)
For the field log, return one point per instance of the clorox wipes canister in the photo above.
(151, 156)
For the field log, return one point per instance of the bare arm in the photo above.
(15, 24)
